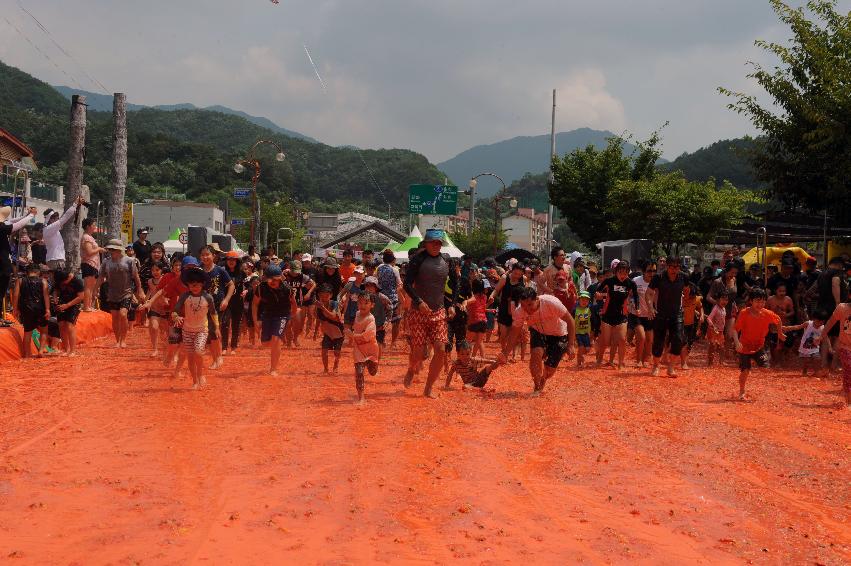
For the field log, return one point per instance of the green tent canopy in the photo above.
(176, 234)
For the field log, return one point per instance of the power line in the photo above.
(62, 49)
(43, 54)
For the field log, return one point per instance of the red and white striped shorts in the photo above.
(427, 328)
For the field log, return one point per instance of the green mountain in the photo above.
(103, 103)
(192, 152)
(512, 159)
(725, 160)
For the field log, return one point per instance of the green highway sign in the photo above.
(433, 199)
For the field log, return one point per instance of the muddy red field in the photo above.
(109, 461)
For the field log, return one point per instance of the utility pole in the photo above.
(115, 210)
(551, 180)
(74, 183)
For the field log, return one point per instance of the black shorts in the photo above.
(504, 318)
(478, 327)
(759, 358)
(69, 315)
(157, 314)
(613, 320)
(329, 343)
(33, 320)
(379, 335)
(647, 323)
(118, 305)
(554, 346)
(632, 321)
(87, 270)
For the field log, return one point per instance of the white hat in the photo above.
(615, 263)
(306, 257)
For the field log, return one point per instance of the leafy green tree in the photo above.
(479, 244)
(670, 210)
(805, 152)
(584, 177)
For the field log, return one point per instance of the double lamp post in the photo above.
(252, 161)
(497, 202)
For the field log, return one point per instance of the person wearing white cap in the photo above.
(52, 236)
(8, 228)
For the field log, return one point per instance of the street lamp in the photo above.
(278, 241)
(497, 216)
(251, 161)
(472, 192)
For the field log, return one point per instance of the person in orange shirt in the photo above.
(347, 266)
(752, 327)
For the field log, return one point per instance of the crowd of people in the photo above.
(210, 303)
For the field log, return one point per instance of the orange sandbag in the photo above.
(90, 325)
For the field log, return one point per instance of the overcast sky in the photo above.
(436, 76)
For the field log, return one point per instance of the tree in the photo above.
(479, 244)
(583, 179)
(670, 210)
(805, 154)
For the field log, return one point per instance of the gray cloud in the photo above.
(436, 76)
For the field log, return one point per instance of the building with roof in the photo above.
(162, 217)
(526, 229)
(451, 223)
(17, 162)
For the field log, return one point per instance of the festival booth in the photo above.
(90, 325)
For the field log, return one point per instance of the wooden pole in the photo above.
(74, 183)
(115, 209)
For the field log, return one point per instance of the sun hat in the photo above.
(295, 266)
(435, 234)
(215, 247)
(615, 263)
(330, 262)
(115, 245)
(359, 269)
(584, 295)
(306, 257)
(5, 212)
(188, 261)
(351, 279)
(371, 281)
(273, 271)
(233, 254)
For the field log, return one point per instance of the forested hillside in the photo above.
(192, 152)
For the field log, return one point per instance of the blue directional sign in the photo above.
(237, 221)
(241, 193)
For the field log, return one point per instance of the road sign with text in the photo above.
(237, 221)
(241, 193)
(433, 199)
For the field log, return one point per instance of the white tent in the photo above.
(173, 246)
(451, 249)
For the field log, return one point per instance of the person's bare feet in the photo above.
(430, 395)
(203, 382)
(273, 373)
(671, 372)
(409, 379)
(535, 393)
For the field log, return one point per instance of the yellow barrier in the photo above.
(774, 254)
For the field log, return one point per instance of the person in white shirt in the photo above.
(52, 236)
(552, 333)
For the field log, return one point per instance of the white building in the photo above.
(161, 217)
(454, 223)
(526, 229)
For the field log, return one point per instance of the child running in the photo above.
(278, 302)
(477, 319)
(752, 328)
(810, 348)
(582, 319)
(157, 325)
(32, 308)
(329, 319)
(364, 343)
(715, 329)
(191, 313)
(465, 367)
